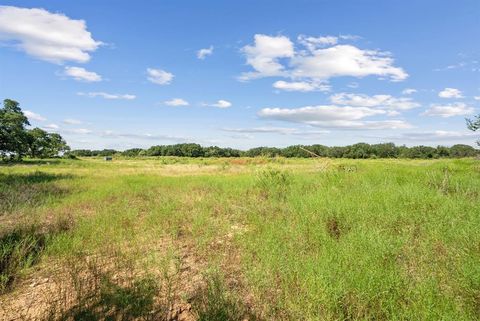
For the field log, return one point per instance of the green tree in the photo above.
(385, 150)
(42, 144)
(37, 141)
(13, 135)
(57, 145)
(421, 152)
(132, 152)
(474, 125)
(461, 150)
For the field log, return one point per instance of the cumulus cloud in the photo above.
(33, 116)
(346, 60)
(300, 86)
(380, 101)
(323, 58)
(159, 76)
(71, 121)
(203, 53)
(329, 116)
(264, 56)
(52, 37)
(476, 97)
(81, 74)
(449, 110)
(450, 93)
(176, 102)
(107, 95)
(409, 91)
(220, 104)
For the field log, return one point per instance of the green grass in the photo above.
(289, 238)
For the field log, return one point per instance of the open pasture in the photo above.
(240, 238)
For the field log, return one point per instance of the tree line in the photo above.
(360, 150)
(17, 141)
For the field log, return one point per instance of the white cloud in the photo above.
(202, 53)
(277, 130)
(263, 56)
(316, 64)
(51, 126)
(176, 102)
(450, 93)
(349, 37)
(312, 43)
(147, 136)
(333, 116)
(107, 95)
(33, 116)
(81, 74)
(159, 76)
(71, 121)
(220, 104)
(442, 135)
(53, 37)
(345, 60)
(476, 97)
(409, 91)
(241, 136)
(300, 86)
(81, 131)
(381, 101)
(449, 110)
(392, 113)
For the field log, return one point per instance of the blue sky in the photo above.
(123, 74)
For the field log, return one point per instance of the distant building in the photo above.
(107, 158)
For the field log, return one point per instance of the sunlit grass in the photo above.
(301, 238)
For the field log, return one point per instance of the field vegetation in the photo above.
(172, 238)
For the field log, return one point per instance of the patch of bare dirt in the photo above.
(56, 290)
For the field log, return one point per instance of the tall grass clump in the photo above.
(22, 246)
(19, 249)
(273, 183)
(217, 303)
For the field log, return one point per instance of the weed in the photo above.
(19, 249)
(216, 303)
(273, 183)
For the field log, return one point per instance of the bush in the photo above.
(273, 183)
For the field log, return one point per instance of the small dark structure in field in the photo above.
(108, 158)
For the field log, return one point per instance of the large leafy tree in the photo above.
(13, 135)
(42, 144)
(474, 125)
(17, 141)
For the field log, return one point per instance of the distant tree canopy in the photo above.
(360, 150)
(16, 141)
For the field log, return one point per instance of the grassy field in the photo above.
(236, 239)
